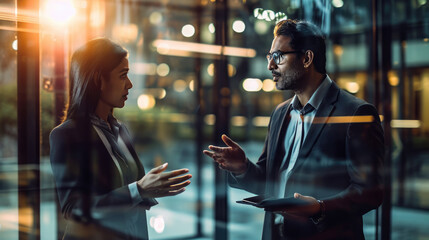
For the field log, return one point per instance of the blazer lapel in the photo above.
(280, 122)
(319, 122)
(125, 136)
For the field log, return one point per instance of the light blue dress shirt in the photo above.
(299, 124)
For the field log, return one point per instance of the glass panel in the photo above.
(166, 62)
(8, 123)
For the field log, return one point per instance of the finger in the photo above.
(302, 197)
(159, 169)
(228, 141)
(178, 186)
(174, 173)
(208, 153)
(176, 192)
(218, 149)
(180, 179)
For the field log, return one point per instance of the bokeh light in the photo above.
(146, 101)
(352, 87)
(268, 85)
(231, 70)
(268, 15)
(179, 85)
(163, 69)
(192, 85)
(157, 223)
(261, 27)
(212, 28)
(252, 84)
(155, 18)
(238, 26)
(15, 45)
(337, 3)
(188, 30)
(210, 69)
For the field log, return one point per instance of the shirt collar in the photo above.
(316, 98)
(101, 123)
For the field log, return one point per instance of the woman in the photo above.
(101, 184)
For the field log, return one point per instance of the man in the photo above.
(323, 146)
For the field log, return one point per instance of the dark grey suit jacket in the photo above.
(340, 163)
(94, 199)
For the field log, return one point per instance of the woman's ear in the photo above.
(99, 80)
(308, 58)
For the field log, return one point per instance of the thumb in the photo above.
(302, 197)
(297, 196)
(160, 168)
(228, 141)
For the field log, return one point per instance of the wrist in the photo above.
(141, 191)
(243, 169)
(321, 214)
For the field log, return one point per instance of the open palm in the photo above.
(231, 158)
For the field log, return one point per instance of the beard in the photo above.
(292, 79)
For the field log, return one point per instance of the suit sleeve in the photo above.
(254, 179)
(72, 168)
(364, 157)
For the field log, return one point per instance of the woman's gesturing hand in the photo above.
(157, 183)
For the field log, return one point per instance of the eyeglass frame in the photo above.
(279, 53)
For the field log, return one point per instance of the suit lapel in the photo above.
(319, 122)
(126, 138)
(280, 122)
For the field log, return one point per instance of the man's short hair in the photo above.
(304, 36)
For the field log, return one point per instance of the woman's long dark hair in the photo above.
(94, 60)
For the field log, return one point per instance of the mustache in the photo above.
(275, 73)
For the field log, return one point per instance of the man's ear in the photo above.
(308, 58)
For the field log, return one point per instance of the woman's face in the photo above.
(114, 91)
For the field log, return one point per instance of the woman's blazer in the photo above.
(93, 197)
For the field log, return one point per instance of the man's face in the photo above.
(288, 73)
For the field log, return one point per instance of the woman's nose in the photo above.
(130, 84)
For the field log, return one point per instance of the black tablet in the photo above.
(272, 203)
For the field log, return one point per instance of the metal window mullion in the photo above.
(28, 123)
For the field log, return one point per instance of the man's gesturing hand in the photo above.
(157, 183)
(231, 158)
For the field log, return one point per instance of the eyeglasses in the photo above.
(278, 56)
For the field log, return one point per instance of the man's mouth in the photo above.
(275, 77)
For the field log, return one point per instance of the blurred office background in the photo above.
(199, 70)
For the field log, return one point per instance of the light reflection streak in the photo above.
(170, 47)
(344, 119)
(402, 123)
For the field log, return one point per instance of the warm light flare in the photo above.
(344, 119)
(59, 12)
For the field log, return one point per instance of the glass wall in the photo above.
(8, 125)
(171, 109)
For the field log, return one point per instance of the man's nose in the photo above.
(271, 64)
